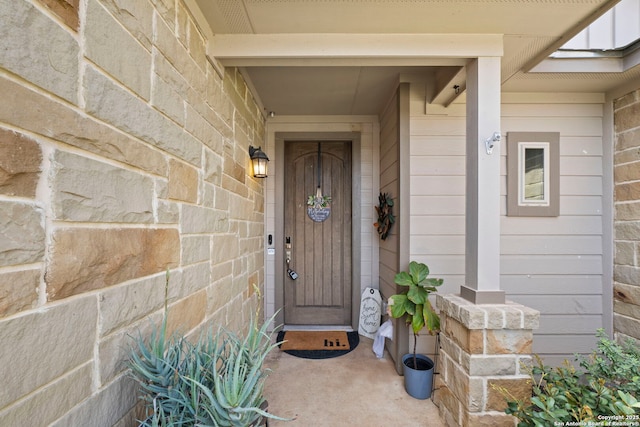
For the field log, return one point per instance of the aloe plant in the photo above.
(218, 381)
(236, 397)
(414, 303)
(155, 364)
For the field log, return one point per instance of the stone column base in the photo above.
(482, 346)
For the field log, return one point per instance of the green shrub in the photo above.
(618, 364)
(607, 387)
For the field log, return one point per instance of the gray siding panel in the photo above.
(564, 304)
(559, 245)
(561, 324)
(551, 285)
(562, 225)
(553, 264)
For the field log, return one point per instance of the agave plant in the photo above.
(155, 365)
(236, 397)
(218, 381)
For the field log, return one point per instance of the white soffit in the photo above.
(524, 17)
(285, 48)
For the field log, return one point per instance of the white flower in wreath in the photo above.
(318, 202)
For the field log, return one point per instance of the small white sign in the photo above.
(370, 311)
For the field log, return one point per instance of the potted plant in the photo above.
(415, 305)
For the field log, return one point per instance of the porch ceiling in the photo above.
(323, 57)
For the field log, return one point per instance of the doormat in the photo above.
(318, 344)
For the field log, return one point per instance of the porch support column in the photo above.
(481, 347)
(482, 262)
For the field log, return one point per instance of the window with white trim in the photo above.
(533, 173)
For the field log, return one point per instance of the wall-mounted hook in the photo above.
(490, 142)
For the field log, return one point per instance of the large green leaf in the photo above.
(432, 320)
(401, 306)
(431, 284)
(417, 294)
(403, 279)
(418, 271)
(417, 321)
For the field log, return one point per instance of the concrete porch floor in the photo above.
(353, 390)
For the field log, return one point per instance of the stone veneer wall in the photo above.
(626, 317)
(483, 348)
(122, 154)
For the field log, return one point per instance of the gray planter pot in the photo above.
(418, 382)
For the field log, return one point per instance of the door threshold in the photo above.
(345, 328)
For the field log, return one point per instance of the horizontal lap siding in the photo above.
(437, 187)
(555, 264)
(389, 183)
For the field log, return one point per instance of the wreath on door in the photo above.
(318, 206)
(385, 215)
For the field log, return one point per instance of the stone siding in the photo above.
(483, 348)
(123, 154)
(626, 286)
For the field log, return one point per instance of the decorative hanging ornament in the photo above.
(318, 206)
(385, 215)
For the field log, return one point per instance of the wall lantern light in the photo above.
(259, 162)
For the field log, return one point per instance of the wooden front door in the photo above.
(318, 248)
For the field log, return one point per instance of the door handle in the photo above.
(287, 250)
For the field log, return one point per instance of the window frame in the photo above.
(517, 143)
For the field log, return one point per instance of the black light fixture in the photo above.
(259, 162)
